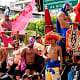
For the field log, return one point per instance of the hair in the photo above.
(26, 76)
(38, 37)
(64, 7)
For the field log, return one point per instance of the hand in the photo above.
(61, 68)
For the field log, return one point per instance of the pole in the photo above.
(17, 36)
(26, 39)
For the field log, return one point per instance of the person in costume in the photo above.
(62, 19)
(29, 59)
(62, 25)
(6, 24)
(53, 53)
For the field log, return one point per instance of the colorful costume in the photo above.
(52, 66)
(61, 29)
(52, 70)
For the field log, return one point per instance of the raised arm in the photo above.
(63, 19)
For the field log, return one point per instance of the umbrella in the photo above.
(48, 23)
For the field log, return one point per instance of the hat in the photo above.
(67, 4)
(52, 35)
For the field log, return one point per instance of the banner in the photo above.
(23, 19)
(73, 40)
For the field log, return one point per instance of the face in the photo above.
(52, 41)
(39, 40)
(27, 71)
(17, 77)
(10, 61)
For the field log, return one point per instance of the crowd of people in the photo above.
(37, 60)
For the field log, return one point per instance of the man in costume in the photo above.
(62, 26)
(54, 59)
(30, 57)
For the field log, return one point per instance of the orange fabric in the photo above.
(68, 40)
(49, 37)
(52, 35)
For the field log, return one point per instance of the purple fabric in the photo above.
(31, 40)
(22, 65)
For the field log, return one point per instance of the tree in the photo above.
(31, 26)
(40, 27)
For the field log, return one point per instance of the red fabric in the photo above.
(49, 37)
(2, 33)
(21, 22)
(4, 39)
(48, 23)
(7, 24)
(7, 40)
(77, 11)
(6, 17)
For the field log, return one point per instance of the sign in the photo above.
(23, 19)
(56, 4)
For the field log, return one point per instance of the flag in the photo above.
(23, 19)
(48, 22)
